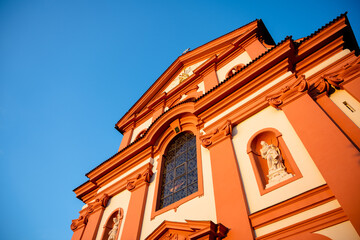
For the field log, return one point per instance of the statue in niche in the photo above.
(277, 172)
(113, 231)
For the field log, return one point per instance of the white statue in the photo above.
(275, 162)
(113, 231)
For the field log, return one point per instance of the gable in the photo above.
(196, 62)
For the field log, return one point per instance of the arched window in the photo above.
(179, 177)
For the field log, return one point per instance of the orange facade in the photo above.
(240, 138)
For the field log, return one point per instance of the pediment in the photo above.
(184, 74)
(189, 230)
(184, 66)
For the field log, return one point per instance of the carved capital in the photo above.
(80, 222)
(139, 180)
(288, 92)
(99, 203)
(343, 73)
(216, 135)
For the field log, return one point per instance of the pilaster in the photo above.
(86, 226)
(320, 92)
(335, 156)
(230, 200)
(138, 186)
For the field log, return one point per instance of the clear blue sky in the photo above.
(69, 70)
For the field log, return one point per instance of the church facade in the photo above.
(240, 138)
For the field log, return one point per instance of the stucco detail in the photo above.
(272, 118)
(243, 58)
(121, 200)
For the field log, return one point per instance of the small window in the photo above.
(179, 177)
(234, 70)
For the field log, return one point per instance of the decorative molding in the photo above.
(260, 167)
(80, 222)
(189, 230)
(287, 93)
(139, 180)
(216, 135)
(344, 72)
(100, 202)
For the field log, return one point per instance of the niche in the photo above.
(271, 160)
(112, 225)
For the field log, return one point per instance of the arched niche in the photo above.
(270, 136)
(115, 218)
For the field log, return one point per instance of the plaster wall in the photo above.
(139, 128)
(327, 62)
(199, 208)
(297, 218)
(272, 118)
(150, 160)
(341, 96)
(344, 230)
(243, 58)
(247, 99)
(121, 200)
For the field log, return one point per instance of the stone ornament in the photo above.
(99, 203)
(208, 139)
(275, 162)
(277, 99)
(139, 179)
(113, 231)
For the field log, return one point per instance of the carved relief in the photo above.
(208, 139)
(275, 162)
(301, 85)
(100, 202)
(170, 236)
(344, 72)
(139, 179)
(278, 168)
(113, 232)
(76, 223)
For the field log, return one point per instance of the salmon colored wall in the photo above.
(331, 151)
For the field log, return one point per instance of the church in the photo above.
(240, 138)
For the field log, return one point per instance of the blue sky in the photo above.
(69, 70)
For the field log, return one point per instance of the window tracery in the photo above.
(179, 173)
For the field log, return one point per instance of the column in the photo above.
(230, 199)
(138, 187)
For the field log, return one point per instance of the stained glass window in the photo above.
(179, 174)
